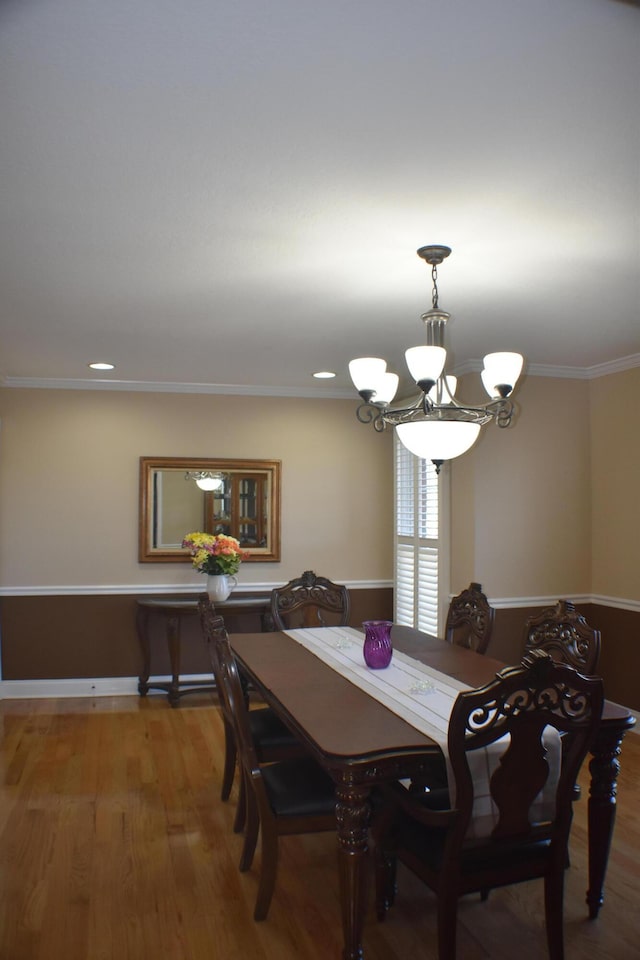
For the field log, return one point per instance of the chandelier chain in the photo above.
(434, 292)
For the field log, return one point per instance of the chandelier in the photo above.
(434, 425)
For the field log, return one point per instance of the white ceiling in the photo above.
(209, 192)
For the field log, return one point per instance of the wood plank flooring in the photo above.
(114, 845)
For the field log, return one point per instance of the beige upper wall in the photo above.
(531, 505)
(69, 483)
(615, 471)
(521, 499)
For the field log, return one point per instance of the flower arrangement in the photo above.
(214, 553)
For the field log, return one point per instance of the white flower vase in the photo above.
(219, 586)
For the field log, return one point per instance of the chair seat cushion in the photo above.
(427, 844)
(299, 788)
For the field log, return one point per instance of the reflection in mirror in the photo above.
(240, 498)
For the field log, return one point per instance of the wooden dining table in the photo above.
(360, 742)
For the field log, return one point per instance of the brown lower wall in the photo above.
(620, 653)
(69, 637)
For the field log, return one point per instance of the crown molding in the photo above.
(614, 366)
(310, 393)
(158, 386)
(563, 372)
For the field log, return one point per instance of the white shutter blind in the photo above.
(428, 500)
(428, 590)
(405, 584)
(405, 506)
(416, 547)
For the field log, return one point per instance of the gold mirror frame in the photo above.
(159, 472)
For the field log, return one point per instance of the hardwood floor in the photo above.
(114, 844)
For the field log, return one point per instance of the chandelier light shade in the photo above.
(206, 480)
(435, 425)
(436, 440)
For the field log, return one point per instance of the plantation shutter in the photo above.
(417, 553)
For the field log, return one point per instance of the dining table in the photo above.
(361, 742)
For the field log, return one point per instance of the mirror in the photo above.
(243, 501)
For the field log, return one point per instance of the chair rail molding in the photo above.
(193, 589)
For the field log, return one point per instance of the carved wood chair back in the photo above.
(470, 619)
(310, 601)
(566, 635)
(431, 836)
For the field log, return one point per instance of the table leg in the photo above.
(604, 768)
(142, 627)
(353, 814)
(173, 641)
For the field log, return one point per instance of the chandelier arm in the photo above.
(502, 411)
(499, 409)
(369, 413)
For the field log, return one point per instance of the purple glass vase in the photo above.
(377, 643)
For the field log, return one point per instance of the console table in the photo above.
(172, 610)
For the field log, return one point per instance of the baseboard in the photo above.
(96, 687)
(84, 687)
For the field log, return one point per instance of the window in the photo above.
(418, 542)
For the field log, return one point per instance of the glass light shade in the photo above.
(425, 363)
(210, 483)
(489, 381)
(501, 368)
(450, 387)
(438, 439)
(366, 372)
(386, 388)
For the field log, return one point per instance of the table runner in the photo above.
(424, 697)
(417, 693)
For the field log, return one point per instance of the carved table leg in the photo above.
(142, 626)
(173, 640)
(604, 769)
(353, 813)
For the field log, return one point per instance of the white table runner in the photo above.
(421, 696)
(424, 698)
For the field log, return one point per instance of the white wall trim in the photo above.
(150, 386)
(155, 589)
(506, 603)
(325, 392)
(195, 590)
(617, 602)
(86, 687)
(563, 372)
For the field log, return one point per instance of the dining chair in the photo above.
(309, 601)
(566, 635)
(433, 835)
(292, 796)
(273, 740)
(470, 619)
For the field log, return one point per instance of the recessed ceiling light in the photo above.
(102, 366)
(324, 375)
